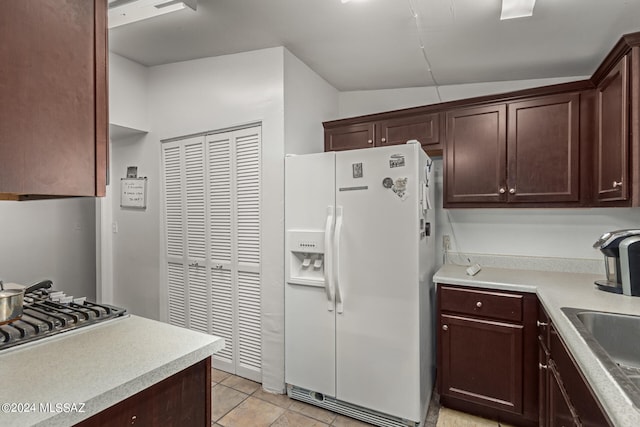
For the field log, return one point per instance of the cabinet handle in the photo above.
(479, 304)
(512, 191)
(445, 328)
(502, 190)
(617, 184)
(541, 366)
(383, 139)
(370, 141)
(539, 323)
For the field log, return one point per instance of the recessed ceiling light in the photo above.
(517, 9)
(122, 12)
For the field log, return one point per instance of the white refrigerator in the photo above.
(359, 263)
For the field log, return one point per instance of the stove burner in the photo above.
(43, 318)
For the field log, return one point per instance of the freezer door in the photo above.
(377, 325)
(309, 305)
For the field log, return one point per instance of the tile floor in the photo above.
(238, 402)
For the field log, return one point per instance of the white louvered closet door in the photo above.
(212, 223)
(185, 225)
(221, 244)
(173, 167)
(247, 214)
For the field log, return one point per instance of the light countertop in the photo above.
(556, 290)
(97, 366)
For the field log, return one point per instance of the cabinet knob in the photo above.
(445, 328)
(541, 366)
(617, 184)
(539, 323)
(502, 190)
(479, 304)
(370, 141)
(512, 191)
(383, 139)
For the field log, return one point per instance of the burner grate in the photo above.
(43, 318)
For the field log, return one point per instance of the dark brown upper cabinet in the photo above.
(382, 130)
(475, 158)
(422, 127)
(543, 149)
(612, 135)
(53, 98)
(574, 144)
(349, 137)
(520, 152)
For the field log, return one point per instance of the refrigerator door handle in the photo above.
(336, 260)
(328, 259)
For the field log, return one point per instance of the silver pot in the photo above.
(11, 300)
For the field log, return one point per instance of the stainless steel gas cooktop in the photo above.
(48, 312)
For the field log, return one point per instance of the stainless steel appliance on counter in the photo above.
(48, 312)
(621, 249)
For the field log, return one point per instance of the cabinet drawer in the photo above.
(491, 304)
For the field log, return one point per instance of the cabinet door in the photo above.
(423, 127)
(475, 155)
(543, 149)
(482, 362)
(349, 137)
(543, 386)
(561, 414)
(183, 399)
(53, 129)
(578, 391)
(612, 133)
(543, 367)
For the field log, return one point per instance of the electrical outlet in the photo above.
(446, 242)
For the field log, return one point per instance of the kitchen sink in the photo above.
(614, 338)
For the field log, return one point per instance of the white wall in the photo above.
(128, 93)
(548, 233)
(556, 233)
(128, 114)
(49, 239)
(356, 103)
(308, 101)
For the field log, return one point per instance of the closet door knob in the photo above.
(502, 190)
(617, 184)
(370, 141)
(445, 328)
(512, 191)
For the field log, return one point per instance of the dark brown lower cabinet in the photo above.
(561, 414)
(487, 353)
(565, 397)
(184, 400)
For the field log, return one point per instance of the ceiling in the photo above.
(375, 44)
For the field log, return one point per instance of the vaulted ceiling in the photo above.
(376, 44)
